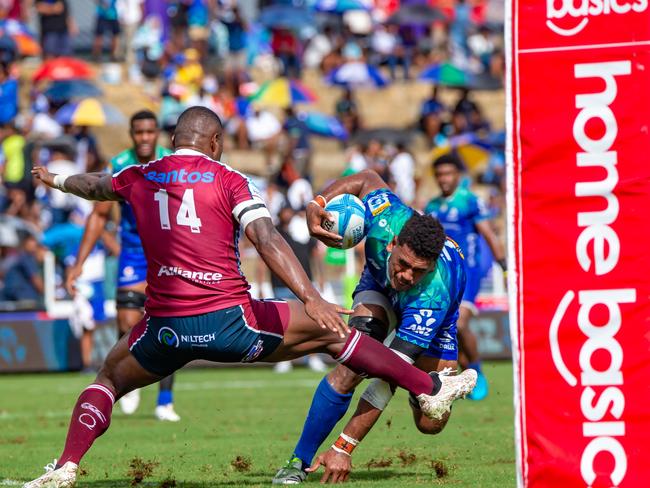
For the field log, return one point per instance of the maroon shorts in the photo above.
(243, 333)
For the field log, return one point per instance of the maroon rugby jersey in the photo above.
(189, 211)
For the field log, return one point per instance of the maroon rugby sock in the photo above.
(366, 356)
(90, 419)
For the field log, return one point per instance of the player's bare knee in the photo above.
(430, 427)
(426, 425)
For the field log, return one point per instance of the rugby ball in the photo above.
(348, 213)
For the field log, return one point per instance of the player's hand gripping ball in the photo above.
(348, 215)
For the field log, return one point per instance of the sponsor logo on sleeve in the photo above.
(378, 203)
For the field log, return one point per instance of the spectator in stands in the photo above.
(23, 279)
(56, 27)
(15, 172)
(106, 23)
(348, 112)
(431, 116)
(298, 144)
(129, 13)
(264, 130)
(481, 46)
(16, 10)
(236, 26)
(8, 95)
(372, 156)
(402, 174)
(286, 48)
(319, 47)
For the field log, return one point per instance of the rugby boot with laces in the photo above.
(452, 388)
(62, 477)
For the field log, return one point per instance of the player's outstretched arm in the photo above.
(280, 258)
(90, 186)
(337, 460)
(358, 184)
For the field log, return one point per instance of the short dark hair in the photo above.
(143, 115)
(197, 115)
(424, 235)
(449, 158)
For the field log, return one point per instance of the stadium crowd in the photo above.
(212, 53)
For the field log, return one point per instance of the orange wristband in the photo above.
(345, 444)
(320, 200)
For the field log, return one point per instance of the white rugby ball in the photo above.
(348, 213)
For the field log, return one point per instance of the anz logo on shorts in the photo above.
(181, 176)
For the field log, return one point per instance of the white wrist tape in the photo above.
(349, 439)
(339, 450)
(59, 182)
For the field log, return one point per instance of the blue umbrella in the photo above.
(356, 73)
(339, 6)
(324, 125)
(62, 91)
(449, 75)
(286, 17)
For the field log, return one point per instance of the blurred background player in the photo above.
(412, 283)
(465, 219)
(132, 271)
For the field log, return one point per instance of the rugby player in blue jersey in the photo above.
(132, 272)
(465, 219)
(413, 290)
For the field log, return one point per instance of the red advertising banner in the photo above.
(579, 220)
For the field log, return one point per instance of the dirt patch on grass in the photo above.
(389, 422)
(140, 469)
(168, 482)
(440, 469)
(82, 472)
(407, 458)
(241, 464)
(379, 463)
(21, 439)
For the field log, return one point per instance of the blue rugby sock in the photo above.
(327, 407)
(476, 365)
(165, 397)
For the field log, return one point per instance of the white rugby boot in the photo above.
(453, 387)
(63, 477)
(166, 413)
(129, 402)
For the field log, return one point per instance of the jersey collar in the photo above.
(189, 152)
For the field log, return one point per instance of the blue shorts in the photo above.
(443, 344)
(243, 333)
(473, 285)
(132, 268)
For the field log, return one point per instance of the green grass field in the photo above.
(256, 416)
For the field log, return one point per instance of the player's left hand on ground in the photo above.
(327, 315)
(337, 466)
(315, 217)
(41, 173)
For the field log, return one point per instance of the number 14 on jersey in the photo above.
(186, 213)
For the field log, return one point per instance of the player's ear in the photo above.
(391, 245)
(174, 141)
